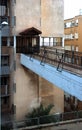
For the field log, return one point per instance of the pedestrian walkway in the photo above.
(70, 126)
(65, 80)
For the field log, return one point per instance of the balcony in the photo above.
(5, 70)
(5, 90)
(5, 110)
(5, 30)
(4, 16)
(4, 7)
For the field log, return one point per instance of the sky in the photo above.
(71, 8)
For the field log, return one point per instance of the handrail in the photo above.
(58, 118)
(58, 58)
(55, 118)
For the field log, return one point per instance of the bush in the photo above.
(40, 111)
(32, 117)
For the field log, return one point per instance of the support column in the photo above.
(62, 41)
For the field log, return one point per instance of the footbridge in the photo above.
(58, 73)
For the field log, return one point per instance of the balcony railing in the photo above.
(5, 70)
(4, 90)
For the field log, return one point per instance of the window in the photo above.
(33, 42)
(72, 23)
(67, 25)
(72, 47)
(64, 25)
(72, 36)
(76, 48)
(2, 10)
(76, 22)
(68, 36)
(76, 35)
(4, 80)
(68, 47)
(4, 41)
(52, 41)
(46, 41)
(4, 60)
(13, 21)
(57, 41)
(4, 101)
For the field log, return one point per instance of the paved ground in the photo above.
(74, 126)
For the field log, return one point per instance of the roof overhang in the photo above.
(30, 31)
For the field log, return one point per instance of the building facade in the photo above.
(73, 47)
(73, 33)
(21, 89)
(6, 60)
(41, 17)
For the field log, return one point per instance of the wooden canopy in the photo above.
(30, 31)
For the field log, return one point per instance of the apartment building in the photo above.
(21, 89)
(73, 33)
(73, 47)
(7, 61)
(73, 38)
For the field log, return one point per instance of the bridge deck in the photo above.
(65, 80)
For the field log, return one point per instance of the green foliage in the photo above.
(40, 111)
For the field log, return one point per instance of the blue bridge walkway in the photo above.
(65, 80)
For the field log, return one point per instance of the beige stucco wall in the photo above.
(52, 17)
(46, 15)
(25, 97)
(27, 14)
(32, 90)
(51, 94)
